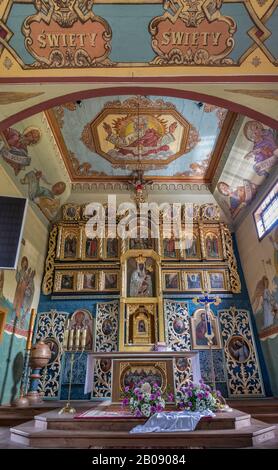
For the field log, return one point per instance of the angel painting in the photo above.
(264, 298)
(14, 148)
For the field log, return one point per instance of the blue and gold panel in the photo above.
(106, 334)
(78, 377)
(102, 378)
(177, 325)
(212, 362)
(242, 364)
(50, 329)
(106, 340)
(182, 371)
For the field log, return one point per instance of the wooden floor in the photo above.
(42, 427)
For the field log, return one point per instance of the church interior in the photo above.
(140, 138)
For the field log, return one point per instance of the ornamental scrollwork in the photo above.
(177, 325)
(67, 34)
(48, 280)
(182, 371)
(242, 366)
(231, 260)
(51, 326)
(106, 339)
(102, 378)
(192, 32)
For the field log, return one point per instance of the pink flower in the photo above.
(171, 397)
(138, 413)
(127, 389)
(189, 404)
(125, 401)
(152, 397)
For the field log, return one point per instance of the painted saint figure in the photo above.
(91, 247)
(212, 246)
(15, 148)
(169, 248)
(24, 290)
(239, 350)
(265, 147)
(264, 297)
(70, 247)
(239, 197)
(42, 196)
(202, 331)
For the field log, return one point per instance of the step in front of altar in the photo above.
(226, 430)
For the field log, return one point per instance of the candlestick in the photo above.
(83, 337)
(71, 333)
(77, 338)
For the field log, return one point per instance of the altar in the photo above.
(129, 368)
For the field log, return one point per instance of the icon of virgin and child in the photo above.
(141, 280)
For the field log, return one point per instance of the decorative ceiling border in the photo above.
(258, 33)
(124, 186)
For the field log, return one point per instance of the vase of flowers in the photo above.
(144, 399)
(198, 397)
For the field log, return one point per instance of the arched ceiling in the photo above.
(95, 144)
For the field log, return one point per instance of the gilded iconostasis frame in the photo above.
(207, 263)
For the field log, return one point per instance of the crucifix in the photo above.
(206, 301)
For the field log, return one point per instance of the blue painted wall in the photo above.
(228, 300)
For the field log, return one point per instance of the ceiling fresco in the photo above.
(254, 156)
(166, 138)
(30, 156)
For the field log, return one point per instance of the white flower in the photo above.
(146, 410)
(147, 397)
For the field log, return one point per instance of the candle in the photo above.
(66, 338)
(83, 337)
(77, 337)
(31, 329)
(70, 346)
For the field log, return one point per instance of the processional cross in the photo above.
(206, 301)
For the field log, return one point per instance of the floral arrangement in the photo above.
(144, 399)
(198, 397)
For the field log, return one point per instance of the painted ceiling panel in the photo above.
(253, 158)
(104, 137)
(30, 156)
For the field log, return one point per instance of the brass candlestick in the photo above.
(74, 341)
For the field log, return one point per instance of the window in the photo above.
(266, 215)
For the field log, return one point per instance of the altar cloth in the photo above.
(172, 421)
